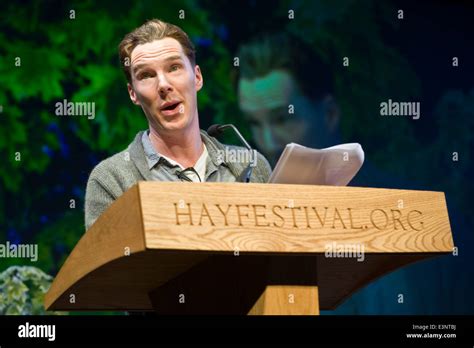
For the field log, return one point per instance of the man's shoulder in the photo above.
(108, 180)
(112, 165)
(119, 164)
(242, 157)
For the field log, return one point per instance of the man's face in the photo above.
(164, 84)
(265, 102)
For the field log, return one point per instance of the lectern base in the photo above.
(244, 284)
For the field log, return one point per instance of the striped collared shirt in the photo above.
(164, 169)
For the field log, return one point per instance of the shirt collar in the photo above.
(215, 150)
(153, 158)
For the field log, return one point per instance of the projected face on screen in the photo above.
(276, 111)
(164, 84)
(285, 94)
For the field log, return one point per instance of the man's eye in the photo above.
(254, 123)
(282, 118)
(174, 67)
(144, 76)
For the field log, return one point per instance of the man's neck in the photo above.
(184, 147)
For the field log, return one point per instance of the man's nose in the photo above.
(268, 137)
(164, 86)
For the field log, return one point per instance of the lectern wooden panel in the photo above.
(189, 248)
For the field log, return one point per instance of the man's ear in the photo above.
(132, 94)
(199, 78)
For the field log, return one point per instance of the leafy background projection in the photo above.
(22, 291)
(76, 59)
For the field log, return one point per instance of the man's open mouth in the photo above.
(171, 108)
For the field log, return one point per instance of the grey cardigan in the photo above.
(116, 174)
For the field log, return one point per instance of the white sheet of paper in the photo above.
(335, 165)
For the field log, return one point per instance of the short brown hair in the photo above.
(284, 51)
(152, 30)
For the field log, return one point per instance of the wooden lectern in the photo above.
(234, 248)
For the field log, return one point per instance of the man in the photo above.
(283, 92)
(158, 59)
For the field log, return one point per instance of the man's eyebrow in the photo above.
(139, 66)
(173, 58)
(278, 110)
